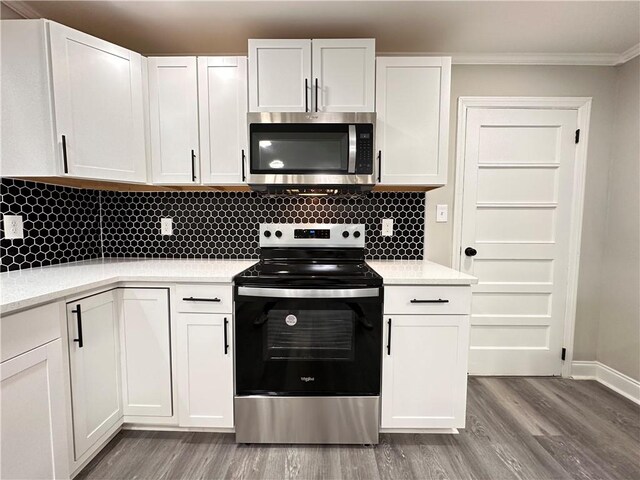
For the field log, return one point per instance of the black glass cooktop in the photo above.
(310, 268)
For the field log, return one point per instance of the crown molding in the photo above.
(23, 9)
(629, 54)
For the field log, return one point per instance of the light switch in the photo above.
(13, 226)
(166, 226)
(442, 213)
(387, 227)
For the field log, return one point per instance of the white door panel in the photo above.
(173, 112)
(99, 108)
(518, 190)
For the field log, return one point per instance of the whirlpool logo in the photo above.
(308, 379)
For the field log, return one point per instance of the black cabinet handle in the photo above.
(244, 177)
(430, 301)
(195, 299)
(379, 165)
(78, 312)
(226, 340)
(64, 154)
(316, 94)
(470, 252)
(389, 338)
(306, 94)
(193, 166)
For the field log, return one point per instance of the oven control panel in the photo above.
(308, 235)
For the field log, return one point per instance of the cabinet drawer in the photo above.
(427, 300)
(204, 298)
(29, 329)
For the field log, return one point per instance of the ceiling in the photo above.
(472, 28)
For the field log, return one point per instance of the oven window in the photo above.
(309, 335)
(295, 148)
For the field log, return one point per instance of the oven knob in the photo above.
(278, 233)
(267, 233)
(345, 234)
(356, 234)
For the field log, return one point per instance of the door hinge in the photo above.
(578, 136)
(563, 356)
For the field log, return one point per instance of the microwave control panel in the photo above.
(364, 149)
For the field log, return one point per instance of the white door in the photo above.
(99, 107)
(424, 368)
(173, 112)
(412, 128)
(205, 370)
(343, 75)
(95, 368)
(33, 436)
(516, 213)
(279, 75)
(222, 86)
(146, 351)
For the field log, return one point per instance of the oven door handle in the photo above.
(351, 166)
(308, 293)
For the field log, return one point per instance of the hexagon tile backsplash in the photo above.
(67, 224)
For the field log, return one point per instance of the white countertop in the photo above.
(24, 288)
(419, 272)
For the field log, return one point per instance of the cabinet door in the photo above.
(98, 106)
(205, 370)
(412, 129)
(146, 351)
(173, 113)
(279, 75)
(424, 371)
(222, 87)
(344, 70)
(33, 435)
(95, 368)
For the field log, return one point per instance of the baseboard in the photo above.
(607, 376)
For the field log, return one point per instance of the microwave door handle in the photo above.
(352, 149)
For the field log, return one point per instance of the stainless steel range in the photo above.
(308, 338)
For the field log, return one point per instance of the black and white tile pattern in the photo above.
(61, 224)
(225, 224)
(65, 224)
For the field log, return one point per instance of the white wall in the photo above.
(575, 81)
(618, 338)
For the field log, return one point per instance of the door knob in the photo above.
(470, 252)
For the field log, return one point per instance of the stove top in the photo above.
(298, 255)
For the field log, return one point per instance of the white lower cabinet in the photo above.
(205, 370)
(33, 436)
(94, 352)
(424, 371)
(145, 351)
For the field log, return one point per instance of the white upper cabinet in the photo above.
(279, 75)
(343, 75)
(173, 115)
(97, 88)
(330, 75)
(222, 89)
(412, 129)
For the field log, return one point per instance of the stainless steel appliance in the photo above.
(308, 338)
(311, 151)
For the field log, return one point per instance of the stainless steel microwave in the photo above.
(311, 151)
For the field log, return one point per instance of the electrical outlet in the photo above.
(387, 227)
(166, 226)
(442, 213)
(13, 226)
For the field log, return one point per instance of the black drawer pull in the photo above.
(78, 312)
(389, 338)
(430, 301)
(195, 299)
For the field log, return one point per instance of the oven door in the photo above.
(308, 342)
